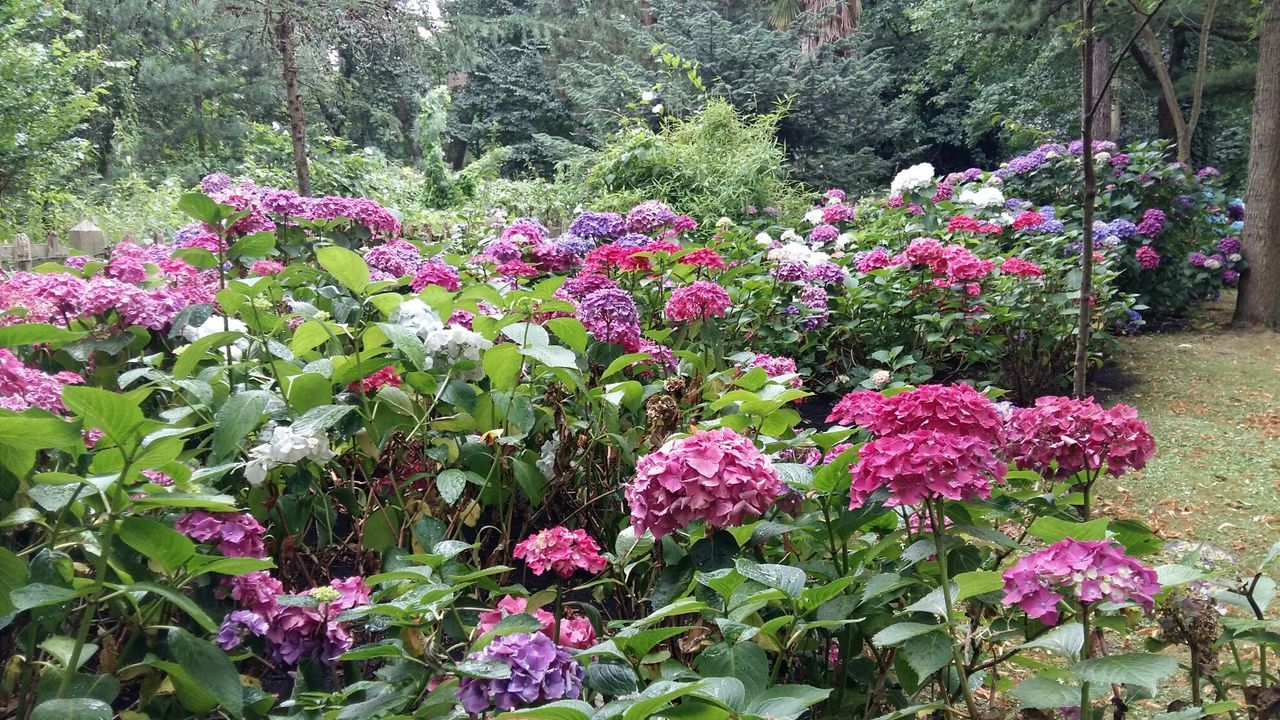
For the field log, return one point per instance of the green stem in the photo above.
(91, 610)
(936, 518)
(1086, 651)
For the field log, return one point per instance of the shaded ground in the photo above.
(1212, 398)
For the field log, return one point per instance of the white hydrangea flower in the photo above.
(283, 446)
(880, 377)
(789, 236)
(798, 252)
(982, 197)
(417, 317)
(1234, 257)
(648, 96)
(842, 241)
(814, 216)
(455, 343)
(916, 176)
(764, 239)
(1102, 157)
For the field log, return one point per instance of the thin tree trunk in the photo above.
(293, 102)
(1259, 301)
(1184, 127)
(1102, 127)
(1080, 384)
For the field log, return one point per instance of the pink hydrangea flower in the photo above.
(925, 464)
(436, 273)
(23, 387)
(716, 476)
(1090, 571)
(562, 550)
(1061, 436)
(576, 631)
(775, 366)
(1020, 267)
(1147, 257)
(266, 268)
(235, 534)
(699, 301)
(957, 409)
(859, 407)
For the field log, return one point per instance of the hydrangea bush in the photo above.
(297, 461)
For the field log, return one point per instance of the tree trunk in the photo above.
(404, 113)
(1102, 129)
(1259, 301)
(293, 102)
(1090, 188)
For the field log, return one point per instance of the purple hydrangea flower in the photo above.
(1229, 245)
(541, 672)
(598, 225)
(632, 240)
(611, 316)
(650, 216)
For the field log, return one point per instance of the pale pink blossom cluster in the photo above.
(1089, 571)
(1061, 436)
(716, 476)
(775, 366)
(562, 550)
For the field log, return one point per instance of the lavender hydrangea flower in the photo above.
(610, 314)
(541, 672)
(649, 216)
(598, 225)
(632, 240)
(1229, 245)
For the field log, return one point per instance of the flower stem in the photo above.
(91, 610)
(1086, 650)
(936, 519)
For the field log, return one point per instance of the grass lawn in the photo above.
(1212, 398)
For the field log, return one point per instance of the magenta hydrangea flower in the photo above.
(956, 408)
(292, 632)
(823, 233)
(1152, 222)
(875, 260)
(524, 231)
(540, 672)
(435, 273)
(859, 408)
(562, 550)
(1147, 257)
(775, 366)
(23, 387)
(1089, 571)
(1229, 245)
(925, 464)
(716, 476)
(1020, 267)
(266, 268)
(586, 283)
(699, 301)
(235, 534)
(397, 258)
(1061, 436)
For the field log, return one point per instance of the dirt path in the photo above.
(1212, 398)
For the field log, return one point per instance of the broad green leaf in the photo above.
(1142, 669)
(746, 661)
(927, 654)
(13, 575)
(72, 709)
(450, 483)
(611, 678)
(978, 582)
(502, 365)
(899, 633)
(36, 334)
(156, 541)
(1045, 694)
(204, 660)
(786, 702)
(1065, 640)
(32, 432)
(1051, 529)
(346, 266)
(116, 414)
(37, 595)
(199, 206)
(319, 419)
(657, 696)
(234, 421)
(199, 350)
(559, 710)
(254, 245)
(570, 331)
(786, 578)
(407, 343)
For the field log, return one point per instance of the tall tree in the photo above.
(1184, 127)
(829, 20)
(1259, 299)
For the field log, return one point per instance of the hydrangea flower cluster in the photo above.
(435, 272)
(562, 550)
(1061, 436)
(540, 672)
(1147, 257)
(1152, 222)
(293, 632)
(1089, 571)
(386, 377)
(776, 366)
(284, 446)
(649, 216)
(699, 301)
(1020, 267)
(716, 476)
(610, 315)
(23, 387)
(235, 534)
(598, 226)
(264, 202)
(913, 178)
(933, 441)
(576, 631)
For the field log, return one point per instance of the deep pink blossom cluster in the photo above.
(716, 476)
(1089, 571)
(699, 301)
(936, 441)
(292, 632)
(435, 272)
(1020, 267)
(562, 550)
(235, 534)
(1061, 436)
(1147, 257)
(23, 387)
(576, 631)
(263, 203)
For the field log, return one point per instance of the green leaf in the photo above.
(640, 642)
(657, 696)
(36, 334)
(1142, 669)
(527, 335)
(37, 595)
(786, 578)
(72, 709)
(1065, 640)
(32, 432)
(899, 633)
(344, 265)
(835, 474)
(570, 331)
(204, 660)
(978, 582)
(308, 390)
(179, 601)
(319, 419)
(199, 206)
(200, 349)
(622, 362)
(559, 710)
(746, 661)
(1045, 694)
(1051, 529)
(116, 414)
(234, 421)
(786, 702)
(254, 245)
(61, 647)
(552, 356)
(611, 678)
(407, 343)
(309, 335)
(156, 541)
(502, 365)
(927, 654)
(13, 575)
(450, 483)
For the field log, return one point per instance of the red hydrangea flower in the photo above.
(1061, 436)
(703, 257)
(387, 376)
(1027, 219)
(562, 550)
(716, 476)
